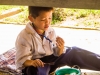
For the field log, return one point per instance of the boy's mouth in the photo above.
(46, 26)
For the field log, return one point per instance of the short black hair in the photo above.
(35, 10)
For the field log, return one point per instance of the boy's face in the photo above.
(43, 21)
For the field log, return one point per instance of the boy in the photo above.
(40, 51)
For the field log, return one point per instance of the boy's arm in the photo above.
(23, 52)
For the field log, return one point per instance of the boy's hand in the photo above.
(60, 44)
(37, 63)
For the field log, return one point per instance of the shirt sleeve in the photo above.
(23, 52)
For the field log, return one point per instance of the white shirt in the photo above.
(29, 45)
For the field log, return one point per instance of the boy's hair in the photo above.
(35, 10)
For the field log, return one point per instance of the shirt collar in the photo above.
(31, 30)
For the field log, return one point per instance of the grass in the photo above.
(83, 17)
(20, 18)
(3, 8)
(82, 12)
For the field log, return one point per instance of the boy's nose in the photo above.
(47, 21)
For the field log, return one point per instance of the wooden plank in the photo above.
(80, 4)
(10, 13)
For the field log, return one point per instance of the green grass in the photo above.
(79, 13)
(75, 14)
(20, 18)
(6, 7)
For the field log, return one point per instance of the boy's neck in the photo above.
(39, 31)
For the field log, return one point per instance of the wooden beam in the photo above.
(10, 13)
(80, 4)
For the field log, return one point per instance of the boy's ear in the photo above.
(31, 18)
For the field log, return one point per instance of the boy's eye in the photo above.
(43, 20)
